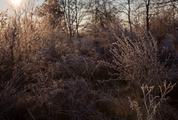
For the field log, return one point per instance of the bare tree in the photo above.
(74, 13)
(129, 15)
(51, 9)
(147, 6)
(103, 11)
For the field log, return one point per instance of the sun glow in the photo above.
(16, 3)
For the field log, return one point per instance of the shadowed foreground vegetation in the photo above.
(53, 68)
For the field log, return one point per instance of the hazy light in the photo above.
(16, 3)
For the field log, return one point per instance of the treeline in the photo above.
(145, 14)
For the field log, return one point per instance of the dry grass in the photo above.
(138, 60)
(45, 75)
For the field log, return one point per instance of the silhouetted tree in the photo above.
(53, 11)
(147, 7)
(103, 11)
(74, 12)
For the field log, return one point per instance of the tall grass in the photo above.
(45, 75)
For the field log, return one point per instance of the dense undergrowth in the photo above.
(104, 75)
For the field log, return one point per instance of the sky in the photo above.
(4, 5)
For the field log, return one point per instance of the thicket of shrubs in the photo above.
(106, 73)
